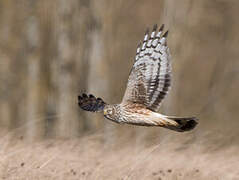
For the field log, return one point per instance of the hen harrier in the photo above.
(147, 86)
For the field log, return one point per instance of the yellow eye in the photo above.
(105, 112)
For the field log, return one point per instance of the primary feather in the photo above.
(91, 103)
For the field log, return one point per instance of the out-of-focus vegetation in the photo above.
(53, 50)
(50, 51)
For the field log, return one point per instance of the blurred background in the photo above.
(52, 51)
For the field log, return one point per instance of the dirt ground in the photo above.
(89, 157)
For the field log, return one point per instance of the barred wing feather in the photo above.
(150, 76)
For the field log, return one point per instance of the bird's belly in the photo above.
(137, 118)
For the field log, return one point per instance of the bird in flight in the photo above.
(148, 84)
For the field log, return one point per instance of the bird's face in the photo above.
(109, 112)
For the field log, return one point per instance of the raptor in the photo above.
(148, 84)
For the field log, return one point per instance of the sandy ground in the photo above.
(90, 158)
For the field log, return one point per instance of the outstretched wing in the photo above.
(91, 103)
(150, 75)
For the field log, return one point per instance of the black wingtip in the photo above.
(91, 96)
(84, 95)
(161, 28)
(91, 103)
(165, 34)
(99, 99)
(155, 27)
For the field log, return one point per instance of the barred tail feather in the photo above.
(179, 124)
(182, 123)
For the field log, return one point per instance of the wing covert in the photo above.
(150, 76)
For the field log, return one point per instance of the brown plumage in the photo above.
(148, 84)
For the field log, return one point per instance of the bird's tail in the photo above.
(181, 124)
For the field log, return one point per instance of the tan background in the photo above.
(51, 51)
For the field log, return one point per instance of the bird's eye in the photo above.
(110, 111)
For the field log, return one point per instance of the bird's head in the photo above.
(109, 112)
